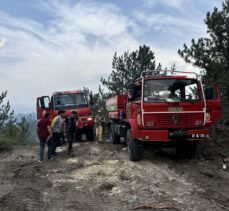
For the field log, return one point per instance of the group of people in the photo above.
(50, 132)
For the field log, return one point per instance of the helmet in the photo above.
(99, 111)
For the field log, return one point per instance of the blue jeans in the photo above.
(42, 148)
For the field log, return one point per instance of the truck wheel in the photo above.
(134, 147)
(114, 138)
(90, 134)
(187, 148)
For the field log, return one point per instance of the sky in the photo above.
(59, 45)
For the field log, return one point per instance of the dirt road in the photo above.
(100, 177)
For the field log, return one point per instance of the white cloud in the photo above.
(171, 3)
(3, 42)
(163, 22)
(76, 47)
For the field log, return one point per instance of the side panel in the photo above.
(115, 103)
(134, 128)
(132, 113)
(214, 103)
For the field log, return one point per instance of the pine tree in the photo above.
(24, 126)
(211, 53)
(128, 67)
(6, 116)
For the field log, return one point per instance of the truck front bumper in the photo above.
(165, 135)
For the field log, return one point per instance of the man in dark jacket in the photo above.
(44, 133)
(71, 129)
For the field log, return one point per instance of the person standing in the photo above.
(56, 130)
(99, 122)
(44, 133)
(71, 129)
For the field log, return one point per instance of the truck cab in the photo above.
(165, 108)
(68, 101)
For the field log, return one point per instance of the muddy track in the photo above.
(100, 177)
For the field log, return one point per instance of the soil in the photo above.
(101, 177)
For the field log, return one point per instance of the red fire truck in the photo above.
(69, 101)
(170, 108)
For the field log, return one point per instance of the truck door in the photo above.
(213, 102)
(43, 104)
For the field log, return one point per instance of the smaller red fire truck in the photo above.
(166, 108)
(69, 101)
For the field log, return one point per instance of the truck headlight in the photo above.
(207, 117)
(89, 119)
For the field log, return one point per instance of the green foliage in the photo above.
(23, 127)
(212, 53)
(128, 67)
(98, 99)
(6, 143)
(6, 115)
(11, 132)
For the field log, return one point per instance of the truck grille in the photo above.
(168, 120)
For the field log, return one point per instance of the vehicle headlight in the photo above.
(207, 117)
(89, 119)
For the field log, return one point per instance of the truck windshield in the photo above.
(70, 101)
(171, 90)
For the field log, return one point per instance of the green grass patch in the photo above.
(8, 143)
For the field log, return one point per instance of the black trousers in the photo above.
(71, 135)
(55, 141)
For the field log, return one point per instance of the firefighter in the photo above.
(99, 122)
(71, 129)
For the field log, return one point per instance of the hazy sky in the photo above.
(59, 45)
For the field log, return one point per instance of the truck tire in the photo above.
(114, 137)
(187, 148)
(134, 147)
(90, 134)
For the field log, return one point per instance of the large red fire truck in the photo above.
(167, 108)
(69, 101)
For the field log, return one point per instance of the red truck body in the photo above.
(149, 112)
(68, 101)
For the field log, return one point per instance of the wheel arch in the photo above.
(131, 124)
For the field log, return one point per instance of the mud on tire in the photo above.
(134, 147)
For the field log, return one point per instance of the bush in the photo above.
(6, 143)
(14, 132)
